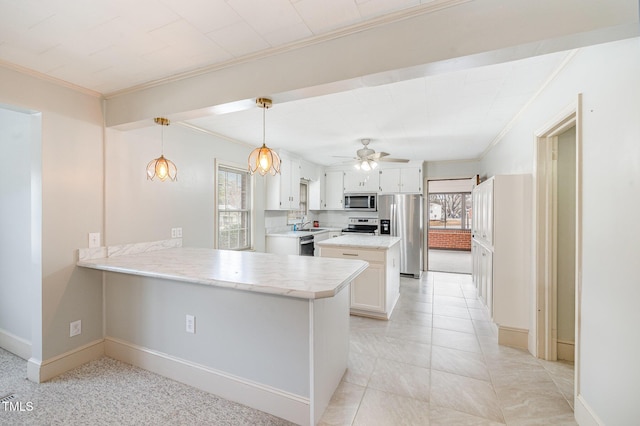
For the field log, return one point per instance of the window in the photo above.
(450, 211)
(297, 216)
(234, 208)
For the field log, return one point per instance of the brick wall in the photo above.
(450, 239)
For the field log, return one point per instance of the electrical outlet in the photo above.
(178, 232)
(94, 239)
(75, 328)
(191, 324)
(174, 232)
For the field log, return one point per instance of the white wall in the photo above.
(72, 207)
(20, 230)
(140, 210)
(608, 75)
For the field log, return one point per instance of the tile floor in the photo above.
(437, 362)
(450, 261)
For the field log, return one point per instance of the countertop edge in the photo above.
(100, 264)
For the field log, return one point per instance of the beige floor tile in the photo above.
(485, 328)
(441, 416)
(479, 314)
(400, 379)
(471, 396)
(344, 405)
(409, 331)
(455, 340)
(453, 323)
(449, 301)
(413, 317)
(451, 311)
(462, 363)
(385, 409)
(531, 380)
(408, 352)
(522, 406)
(359, 368)
(413, 305)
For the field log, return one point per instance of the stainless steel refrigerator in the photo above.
(401, 215)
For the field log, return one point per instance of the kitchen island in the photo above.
(375, 292)
(268, 331)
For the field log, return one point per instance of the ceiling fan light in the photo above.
(357, 166)
(373, 165)
(365, 166)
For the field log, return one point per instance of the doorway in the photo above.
(449, 209)
(558, 236)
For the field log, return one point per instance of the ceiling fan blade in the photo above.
(394, 160)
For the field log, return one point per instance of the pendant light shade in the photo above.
(264, 160)
(161, 167)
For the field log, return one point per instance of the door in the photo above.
(565, 242)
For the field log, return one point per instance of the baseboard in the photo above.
(584, 415)
(514, 337)
(41, 371)
(14, 344)
(566, 351)
(274, 401)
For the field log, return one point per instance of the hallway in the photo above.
(437, 361)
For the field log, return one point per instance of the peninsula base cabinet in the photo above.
(501, 251)
(374, 292)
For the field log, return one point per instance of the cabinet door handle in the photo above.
(350, 254)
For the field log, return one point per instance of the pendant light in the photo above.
(161, 167)
(264, 160)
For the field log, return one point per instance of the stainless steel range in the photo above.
(361, 225)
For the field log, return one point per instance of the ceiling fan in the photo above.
(367, 159)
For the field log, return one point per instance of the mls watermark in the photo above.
(17, 406)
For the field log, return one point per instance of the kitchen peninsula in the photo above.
(268, 331)
(375, 292)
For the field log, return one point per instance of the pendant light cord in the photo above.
(264, 132)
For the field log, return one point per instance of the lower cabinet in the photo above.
(367, 290)
(483, 274)
(374, 292)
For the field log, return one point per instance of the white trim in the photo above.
(565, 350)
(14, 344)
(41, 371)
(283, 404)
(514, 337)
(584, 415)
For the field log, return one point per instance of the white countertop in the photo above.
(296, 234)
(377, 242)
(303, 277)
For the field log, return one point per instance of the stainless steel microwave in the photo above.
(360, 202)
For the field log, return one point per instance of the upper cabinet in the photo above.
(403, 180)
(361, 181)
(333, 190)
(283, 190)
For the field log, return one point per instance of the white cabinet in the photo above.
(282, 244)
(283, 190)
(482, 221)
(501, 251)
(374, 292)
(401, 180)
(333, 190)
(316, 193)
(361, 181)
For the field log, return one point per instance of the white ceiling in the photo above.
(112, 46)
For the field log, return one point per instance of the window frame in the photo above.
(465, 199)
(250, 202)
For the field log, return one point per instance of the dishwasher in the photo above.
(306, 245)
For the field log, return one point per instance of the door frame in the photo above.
(545, 295)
